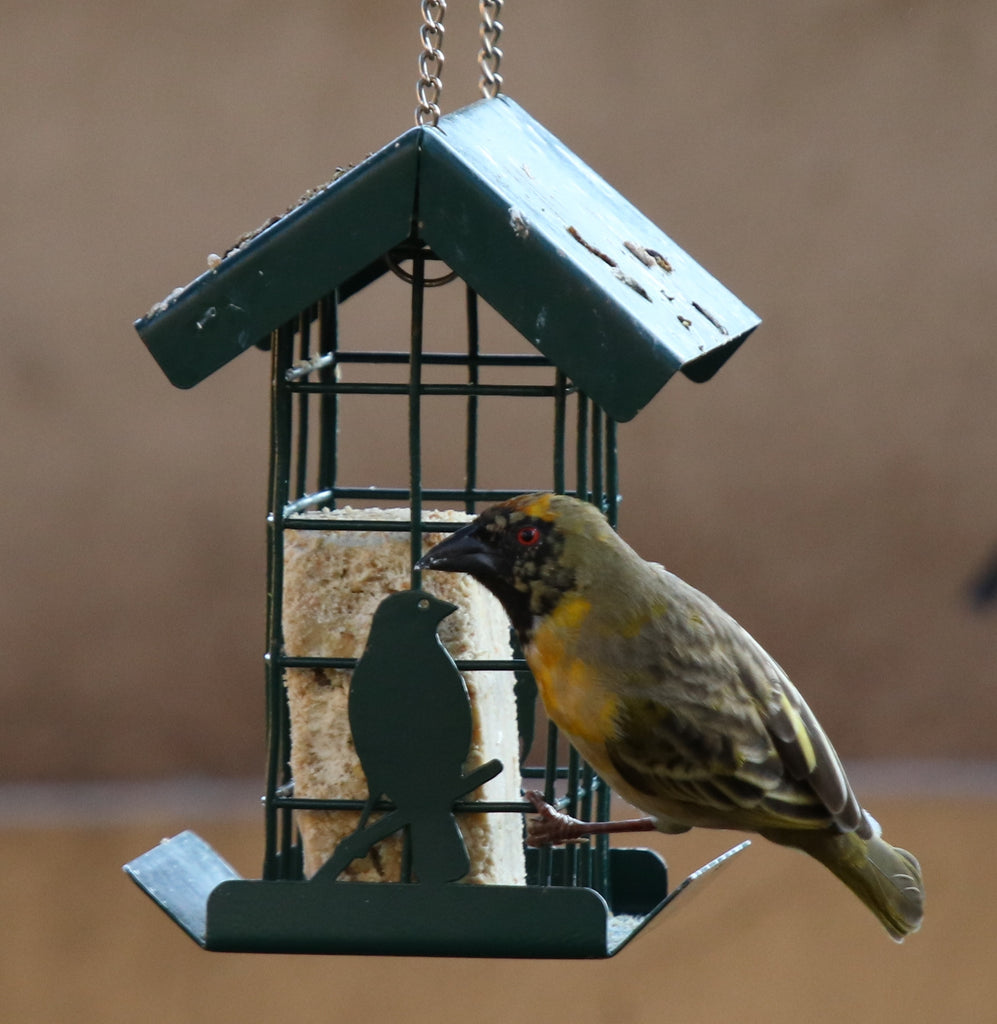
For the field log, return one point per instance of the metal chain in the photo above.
(489, 55)
(429, 85)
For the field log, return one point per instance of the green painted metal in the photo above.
(406, 920)
(584, 901)
(337, 236)
(613, 308)
(225, 913)
(612, 301)
(294, 493)
(410, 719)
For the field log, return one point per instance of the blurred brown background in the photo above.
(833, 163)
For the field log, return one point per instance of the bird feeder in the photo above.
(488, 201)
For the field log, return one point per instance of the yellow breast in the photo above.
(577, 700)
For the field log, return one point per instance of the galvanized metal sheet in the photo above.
(179, 875)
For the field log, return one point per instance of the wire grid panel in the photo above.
(318, 379)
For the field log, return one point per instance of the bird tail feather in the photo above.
(884, 877)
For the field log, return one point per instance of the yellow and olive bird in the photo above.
(670, 700)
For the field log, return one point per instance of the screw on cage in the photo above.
(430, 85)
(490, 55)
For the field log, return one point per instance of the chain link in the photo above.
(489, 55)
(430, 85)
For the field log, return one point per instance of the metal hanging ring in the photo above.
(394, 265)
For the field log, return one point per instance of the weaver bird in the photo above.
(673, 704)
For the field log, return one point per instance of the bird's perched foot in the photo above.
(552, 827)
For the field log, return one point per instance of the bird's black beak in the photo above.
(463, 551)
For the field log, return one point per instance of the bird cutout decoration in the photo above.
(410, 716)
(670, 700)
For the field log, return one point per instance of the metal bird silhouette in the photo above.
(410, 716)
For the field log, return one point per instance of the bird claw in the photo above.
(552, 827)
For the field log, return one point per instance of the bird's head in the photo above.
(530, 552)
(411, 606)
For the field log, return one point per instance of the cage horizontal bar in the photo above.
(361, 524)
(456, 494)
(376, 388)
(442, 358)
(301, 370)
(465, 665)
(536, 771)
(300, 803)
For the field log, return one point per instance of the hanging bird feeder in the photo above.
(487, 200)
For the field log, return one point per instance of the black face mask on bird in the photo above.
(515, 560)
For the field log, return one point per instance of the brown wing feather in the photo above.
(803, 747)
(709, 721)
(682, 764)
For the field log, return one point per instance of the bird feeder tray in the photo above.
(223, 912)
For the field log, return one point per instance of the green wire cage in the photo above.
(489, 202)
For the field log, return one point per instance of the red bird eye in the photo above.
(528, 536)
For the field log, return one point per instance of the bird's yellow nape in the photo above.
(537, 506)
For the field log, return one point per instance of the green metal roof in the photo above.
(609, 298)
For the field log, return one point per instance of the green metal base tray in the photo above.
(223, 912)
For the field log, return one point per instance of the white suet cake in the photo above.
(333, 582)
